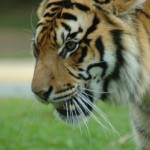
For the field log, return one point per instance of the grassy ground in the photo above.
(29, 125)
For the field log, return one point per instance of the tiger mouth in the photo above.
(76, 107)
(71, 108)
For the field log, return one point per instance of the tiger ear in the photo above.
(42, 8)
(120, 6)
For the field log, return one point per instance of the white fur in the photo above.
(129, 75)
(139, 4)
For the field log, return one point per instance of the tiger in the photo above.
(90, 50)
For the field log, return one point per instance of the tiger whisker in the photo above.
(31, 19)
(35, 113)
(28, 31)
(94, 117)
(67, 112)
(71, 116)
(88, 95)
(99, 112)
(78, 122)
(73, 119)
(84, 119)
(87, 109)
(97, 91)
(27, 117)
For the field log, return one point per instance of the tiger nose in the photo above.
(43, 94)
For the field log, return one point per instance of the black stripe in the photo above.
(63, 37)
(49, 14)
(55, 9)
(59, 15)
(115, 75)
(69, 16)
(48, 20)
(91, 29)
(144, 13)
(100, 47)
(68, 4)
(42, 37)
(104, 2)
(55, 37)
(105, 67)
(62, 97)
(100, 65)
(82, 7)
(87, 41)
(47, 94)
(107, 1)
(64, 90)
(39, 24)
(76, 112)
(74, 34)
(44, 29)
(69, 113)
(83, 54)
(67, 27)
(59, 3)
(41, 40)
(85, 78)
(73, 74)
(86, 108)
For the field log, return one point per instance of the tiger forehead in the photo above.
(56, 13)
(55, 7)
(70, 3)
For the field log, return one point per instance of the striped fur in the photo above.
(94, 49)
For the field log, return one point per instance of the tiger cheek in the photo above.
(74, 58)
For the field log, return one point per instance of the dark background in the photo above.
(17, 13)
(18, 21)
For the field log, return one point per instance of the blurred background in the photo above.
(25, 124)
(17, 24)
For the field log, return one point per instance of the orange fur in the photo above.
(116, 33)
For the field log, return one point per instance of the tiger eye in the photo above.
(70, 46)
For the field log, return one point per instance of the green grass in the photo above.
(26, 125)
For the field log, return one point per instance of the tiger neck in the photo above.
(144, 17)
(143, 35)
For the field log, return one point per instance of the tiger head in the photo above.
(85, 50)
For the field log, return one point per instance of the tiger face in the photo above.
(83, 53)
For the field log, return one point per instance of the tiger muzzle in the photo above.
(44, 95)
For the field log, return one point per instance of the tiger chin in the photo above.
(88, 50)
